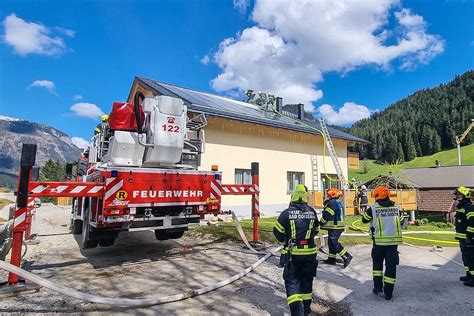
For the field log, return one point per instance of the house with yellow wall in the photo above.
(239, 133)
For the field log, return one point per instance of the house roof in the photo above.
(215, 105)
(442, 177)
(390, 181)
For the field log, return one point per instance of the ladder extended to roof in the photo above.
(333, 154)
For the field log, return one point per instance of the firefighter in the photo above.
(465, 231)
(385, 227)
(364, 200)
(296, 229)
(333, 221)
(104, 120)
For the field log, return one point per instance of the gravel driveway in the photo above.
(138, 265)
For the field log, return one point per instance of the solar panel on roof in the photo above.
(233, 109)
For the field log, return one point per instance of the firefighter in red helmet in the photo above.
(333, 221)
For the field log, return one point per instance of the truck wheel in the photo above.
(161, 235)
(106, 242)
(75, 225)
(176, 235)
(86, 241)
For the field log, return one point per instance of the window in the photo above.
(293, 179)
(329, 181)
(243, 176)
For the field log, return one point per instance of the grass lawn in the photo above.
(447, 158)
(4, 202)
(228, 230)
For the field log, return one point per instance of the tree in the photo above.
(436, 143)
(410, 149)
(431, 116)
(400, 154)
(52, 171)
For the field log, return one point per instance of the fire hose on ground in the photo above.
(428, 232)
(136, 302)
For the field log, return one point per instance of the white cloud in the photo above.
(293, 43)
(241, 5)
(49, 85)
(205, 60)
(77, 97)
(88, 110)
(80, 142)
(348, 114)
(32, 38)
(66, 32)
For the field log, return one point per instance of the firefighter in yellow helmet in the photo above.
(385, 227)
(333, 222)
(465, 231)
(104, 120)
(296, 228)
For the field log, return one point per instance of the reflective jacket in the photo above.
(465, 220)
(385, 223)
(296, 228)
(333, 217)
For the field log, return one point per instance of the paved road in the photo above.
(138, 265)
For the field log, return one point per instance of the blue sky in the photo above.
(62, 63)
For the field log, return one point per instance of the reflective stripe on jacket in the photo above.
(333, 217)
(299, 224)
(464, 220)
(385, 225)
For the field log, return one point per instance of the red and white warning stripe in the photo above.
(112, 187)
(20, 217)
(216, 190)
(65, 189)
(256, 202)
(239, 189)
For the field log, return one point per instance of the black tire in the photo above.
(86, 241)
(164, 235)
(161, 235)
(75, 226)
(106, 242)
(176, 235)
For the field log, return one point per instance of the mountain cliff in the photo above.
(52, 144)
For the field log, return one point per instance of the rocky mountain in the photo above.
(52, 144)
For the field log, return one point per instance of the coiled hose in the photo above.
(135, 302)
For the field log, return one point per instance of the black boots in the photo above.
(347, 259)
(465, 278)
(470, 282)
(388, 296)
(331, 261)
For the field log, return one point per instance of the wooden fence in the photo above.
(406, 199)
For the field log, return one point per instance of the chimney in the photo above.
(279, 104)
(300, 111)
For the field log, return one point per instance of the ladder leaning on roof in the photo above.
(333, 154)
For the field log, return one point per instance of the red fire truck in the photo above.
(140, 173)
